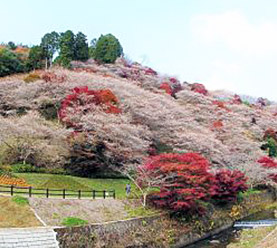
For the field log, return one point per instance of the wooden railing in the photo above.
(63, 193)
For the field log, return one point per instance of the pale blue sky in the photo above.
(224, 44)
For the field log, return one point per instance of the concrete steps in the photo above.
(255, 224)
(28, 238)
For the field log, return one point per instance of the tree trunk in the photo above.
(46, 62)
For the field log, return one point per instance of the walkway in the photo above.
(28, 238)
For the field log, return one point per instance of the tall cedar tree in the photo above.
(91, 49)
(81, 47)
(67, 48)
(108, 49)
(35, 58)
(50, 44)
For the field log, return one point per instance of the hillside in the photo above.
(155, 114)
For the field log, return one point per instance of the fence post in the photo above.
(79, 194)
(93, 194)
(114, 194)
(47, 193)
(63, 193)
(104, 194)
(30, 191)
(11, 190)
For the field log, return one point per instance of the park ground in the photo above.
(54, 211)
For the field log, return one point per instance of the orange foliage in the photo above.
(53, 78)
(22, 50)
(7, 180)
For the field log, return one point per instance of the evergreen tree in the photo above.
(91, 49)
(67, 48)
(9, 63)
(50, 44)
(81, 47)
(11, 45)
(108, 49)
(35, 58)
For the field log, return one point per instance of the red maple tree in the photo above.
(82, 100)
(228, 185)
(183, 180)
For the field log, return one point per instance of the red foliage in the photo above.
(150, 71)
(220, 104)
(273, 177)
(171, 87)
(173, 80)
(183, 179)
(81, 101)
(229, 184)
(53, 78)
(167, 88)
(270, 133)
(199, 88)
(267, 162)
(217, 124)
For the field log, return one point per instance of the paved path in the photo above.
(28, 238)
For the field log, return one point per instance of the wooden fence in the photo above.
(30, 191)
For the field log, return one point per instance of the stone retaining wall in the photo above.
(158, 231)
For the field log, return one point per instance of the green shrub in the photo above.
(9, 63)
(5, 169)
(272, 147)
(22, 168)
(107, 49)
(20, 200)
(73, 221)
(48, 110)
(28, 168)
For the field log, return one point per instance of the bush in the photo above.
(22, 168)
(83, 100)
(228, 185)
(267, 162)
(53, 78)
(166, 87)
(271, 147)
(184, 181)
(49, 110)
(32, 77)
(107, 49)
(270, 133)
(73, 221)
(199, 88)
(20, 200)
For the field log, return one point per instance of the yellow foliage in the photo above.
(32, 77)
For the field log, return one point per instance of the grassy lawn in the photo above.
(15, 212)
(249, 238)
(39, 180)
